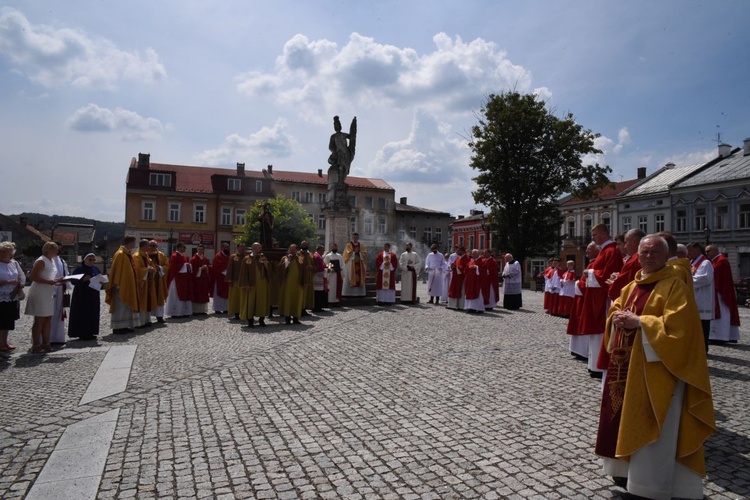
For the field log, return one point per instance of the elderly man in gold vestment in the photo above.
(657, 409)
(122, 291)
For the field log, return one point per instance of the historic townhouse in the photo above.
(422, 227)
(713, 204)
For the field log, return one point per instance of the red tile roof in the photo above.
(198, 179)
(606, 193)
(314, 178)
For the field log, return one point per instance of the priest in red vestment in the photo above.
(201, 281)
(475, 278)
(596, 301)
(179, 298)
(458, 269)
(219, 286)
(491, 287)
(579, 345)
(386, 263)
(726, 326)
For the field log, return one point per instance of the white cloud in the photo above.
(316, 77)
(543, 93)
(131, 125)
(54, 57)
(623, 139)
(431, 154)
(690, 158)
(266, 143)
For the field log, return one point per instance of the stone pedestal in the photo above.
(337, 228)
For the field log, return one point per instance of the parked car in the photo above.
(742, 288)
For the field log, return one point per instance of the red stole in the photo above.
(459, 269)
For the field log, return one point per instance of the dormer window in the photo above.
(163, 180)
(234, 184)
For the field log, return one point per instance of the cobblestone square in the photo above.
(400, 402)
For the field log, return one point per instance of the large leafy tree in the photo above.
(527, 158)
(291, 223)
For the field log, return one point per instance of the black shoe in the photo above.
(594, 374)
(236, 316)
(288, 320)
(622, 482)
(296, 321)
(250, 323)
(262, 321)
(159, 320)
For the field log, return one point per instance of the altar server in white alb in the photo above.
(57, 326)
(435, 266)
(410, 264)
(335, 265)
(703, 286)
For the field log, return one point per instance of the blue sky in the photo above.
(86, 86)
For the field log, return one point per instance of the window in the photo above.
(234, 184)
(322, 198)
(722, 217)
(700, 219)
(174, 211)
(381, 225)
(199, 213)
(382, 204)
(239, 216)
(744, 217)
(368, 202)
(643, 223)
(353, 201)
(627, 223)
(587, 225)
(427, 235)
(321, 221)
(413, 232)
(438, 235)
(481, 241)
(659, 222)
(258, 186)
(401, 234)
(681, 221)
(353, 225)
(226, 216)
(164, 180)
(308, 197)
(471, 243)
(607, 221)
(148, 210)
(460, 241)
(295, 195)
(571, 228)
(368, 225)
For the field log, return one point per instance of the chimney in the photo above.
(270, 169)
(403, 200)
(669, 165)
(460, 217)
(240, 169)
(144, 159)
(724, 150)
(320, 172)
(746, 147)
(641, 172)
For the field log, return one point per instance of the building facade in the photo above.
(472, 231)
(422, 227)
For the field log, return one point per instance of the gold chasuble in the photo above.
(160, 278)
(254, 281)
(122, 275)
(292, 294)
(355, 259)
(683, 269)
(669, 320)
(236, 294)
(146, 284)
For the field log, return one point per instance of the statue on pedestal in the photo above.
(342, 147)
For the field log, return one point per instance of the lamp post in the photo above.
(708, 235)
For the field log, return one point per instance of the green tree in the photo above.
(527, 159)
(291, 223)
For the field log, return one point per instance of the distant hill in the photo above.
(113, 230)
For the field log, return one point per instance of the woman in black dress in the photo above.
(84, 305)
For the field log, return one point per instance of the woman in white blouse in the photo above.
(41, 302)
(12, 280)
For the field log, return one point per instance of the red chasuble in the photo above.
(617, 375)
(459, 269)
(492, 280)
(574, 322)
(594, 314)
(182, 280)
(386, 280)
(474, 281)
(201, 285)
(724, 285)
(221, 261)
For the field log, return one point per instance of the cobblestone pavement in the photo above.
(398, 402)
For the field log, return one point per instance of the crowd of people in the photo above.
(641, 314)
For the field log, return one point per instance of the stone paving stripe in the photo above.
(75, 467)
(113, 374)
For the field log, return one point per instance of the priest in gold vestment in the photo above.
(122, 291)
(657, 409)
